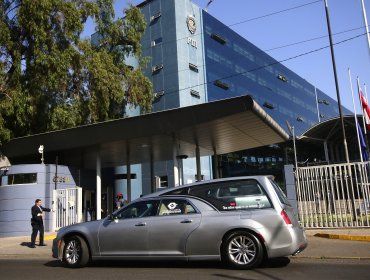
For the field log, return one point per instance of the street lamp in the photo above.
(291, 130)
(41, 151)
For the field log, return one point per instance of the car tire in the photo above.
(75, 252)
(242, 250)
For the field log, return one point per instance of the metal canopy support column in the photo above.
(176, 173)
(152, 176)
(215, 166)
(128, 167)
(199, 171)
(98, 186)
(326, 152)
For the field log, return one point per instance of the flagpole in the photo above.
(336, 82)
(366, 25)
(365, 136)
(367, 101)
(363, 109)
(356, 121)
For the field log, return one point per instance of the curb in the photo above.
(51, 237)
(344, 236)
(331, 258)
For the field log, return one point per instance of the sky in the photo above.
(282, 23)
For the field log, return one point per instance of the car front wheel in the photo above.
(76, 252)
(242, 250)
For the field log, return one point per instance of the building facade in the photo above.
(195, 58)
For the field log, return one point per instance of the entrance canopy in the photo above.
(331, 130)
(214, 128)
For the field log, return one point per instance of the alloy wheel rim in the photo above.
(72, 252)
(242, 250)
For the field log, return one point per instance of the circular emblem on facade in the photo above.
(190, 21)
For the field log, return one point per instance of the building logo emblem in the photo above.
(190, 21)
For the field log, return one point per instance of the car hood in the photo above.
(79, 226)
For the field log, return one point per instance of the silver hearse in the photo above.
(240, 221)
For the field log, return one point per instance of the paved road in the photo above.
(282, 268)
(323, 259)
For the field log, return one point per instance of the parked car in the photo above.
(240, 221)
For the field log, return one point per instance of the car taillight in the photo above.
(232, 204)
(285, 217)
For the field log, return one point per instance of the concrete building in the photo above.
(194, 58)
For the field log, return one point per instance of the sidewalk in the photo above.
(332, 247)
(18, 247)
(337, 244)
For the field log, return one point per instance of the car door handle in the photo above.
(187, 221)
(140, 224)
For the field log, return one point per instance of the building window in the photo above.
(158, 94)
(194, 93)
(163, 181)
(268, 105)
(218, 38)
(155, 17)
(282, 78)
(22, 178)
(156, 42)
(193, 67)
(262, 82)
(222, 85)
(323, 101)
(201, 177)
(124, 176)
(157, 68)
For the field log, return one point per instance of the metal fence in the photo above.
(68, 207)
(336, 195)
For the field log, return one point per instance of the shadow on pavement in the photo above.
(54, 263)
(275, 262)
(26, 244)
(272, 263)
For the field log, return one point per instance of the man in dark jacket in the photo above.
(37, 222)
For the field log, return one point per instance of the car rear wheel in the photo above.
(76, 252)
(242, 250)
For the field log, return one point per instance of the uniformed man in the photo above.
(37, 222)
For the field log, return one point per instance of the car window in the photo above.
(175, 207)
(233, 195)
(281, 195)
(139, 210)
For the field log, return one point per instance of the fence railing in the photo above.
(336, 195)
(68, 207)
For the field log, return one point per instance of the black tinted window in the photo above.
(23, 178)
(281, 195)
(139, 210)
(175, 207)
(233, 195)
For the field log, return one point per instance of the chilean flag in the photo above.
(365, 110)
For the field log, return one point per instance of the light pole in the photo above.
(291, 130)
(41, 151)
(336, 82)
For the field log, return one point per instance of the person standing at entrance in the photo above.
(37, 222)
(120, 201)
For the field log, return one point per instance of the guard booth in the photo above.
(54, 185)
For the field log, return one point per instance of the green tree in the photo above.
(51, 79)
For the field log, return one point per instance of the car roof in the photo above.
(166, 190)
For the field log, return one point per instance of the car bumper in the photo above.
(297, 243)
